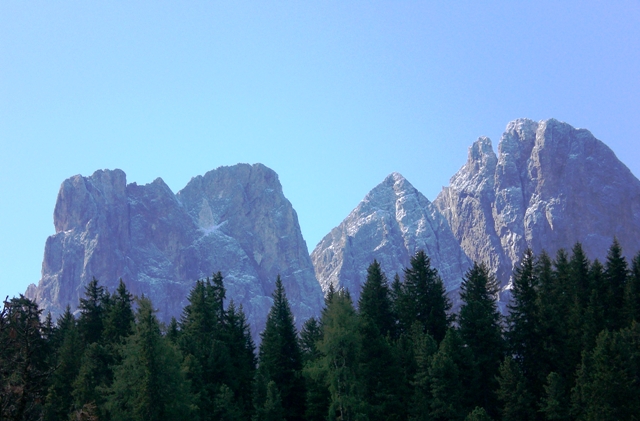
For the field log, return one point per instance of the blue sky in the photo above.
(332, 95)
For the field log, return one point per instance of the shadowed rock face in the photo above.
(390, 224)
(550, 186)
(234, 219)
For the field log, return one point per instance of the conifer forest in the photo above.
(568, 349)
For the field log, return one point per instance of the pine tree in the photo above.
(340, 347)
(478, 414)
(517, 401)
(449, 377)
(23, 360)
(425, 348)
(607, 385)
(375, 301)
(238, 341)
(280, 358)
(200, 340)
(632, 293)
(480, 329)
(523, 324)
(423, 298)
(555, 402)
(119, 316)
(59, 401)
(91, 321)
(616, 271)
(149, 384)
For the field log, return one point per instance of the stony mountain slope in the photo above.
(233, 219)
(390, 224)
(550, 186)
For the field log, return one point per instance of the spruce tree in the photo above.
(450, 379)
(555, 402)
(375, 304)
(92, 309)
(607, 381)
(280, 358)
(340, 347)
(523, 332)
(238, 341)
(149, 384)
(518, 404)
(423, 298)
(59, 401)
(480, 329)
(425, 348)
(632, 293)
(616, 271)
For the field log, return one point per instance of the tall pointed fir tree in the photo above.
(481, 331)
(378, 366)
(23, 360)
(340, 347)
(201, 331)
(423, 298)
(524, 324)
(280, 358)
(59, 402)
(149, 384)
(616, 272)
(632, 293)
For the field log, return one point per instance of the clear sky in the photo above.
(332, 95)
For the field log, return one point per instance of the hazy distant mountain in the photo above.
(390, 224)
(550, 186)
(234, 219)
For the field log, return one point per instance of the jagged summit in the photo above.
(233, 219)
(390, 224)
(550, 186)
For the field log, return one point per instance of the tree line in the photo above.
(569, 349)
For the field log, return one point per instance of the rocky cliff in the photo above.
(390, 224)
(233, 219)
(550, 185)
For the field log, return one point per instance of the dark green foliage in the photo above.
(478, 414)
(270, 407)
(201, 341)
(424, 349)
(517, 401)
(616, 271)
(149, 384)
(340, 347)
(449, 376)
(524, 324)
(423, 298)
(555, 402)
(59, 401)
(119, 316)
(23, 360)
(632, 292)
(92, 309)
(280, 358)
(481, 331)
(375, 301)
(607, 386)
(310, 335)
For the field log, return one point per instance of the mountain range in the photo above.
(549, 186)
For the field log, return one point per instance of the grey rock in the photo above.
(390, 225)
(235, 220)
(550, 186)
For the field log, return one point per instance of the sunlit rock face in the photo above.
(550, 186)
(390, 224)
(235, 220)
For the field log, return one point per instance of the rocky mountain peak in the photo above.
(235, 220)
(390, 224)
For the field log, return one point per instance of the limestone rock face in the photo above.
(390, 224)
(550, 186)
(235, 220)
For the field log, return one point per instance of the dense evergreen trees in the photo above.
(569, 349)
